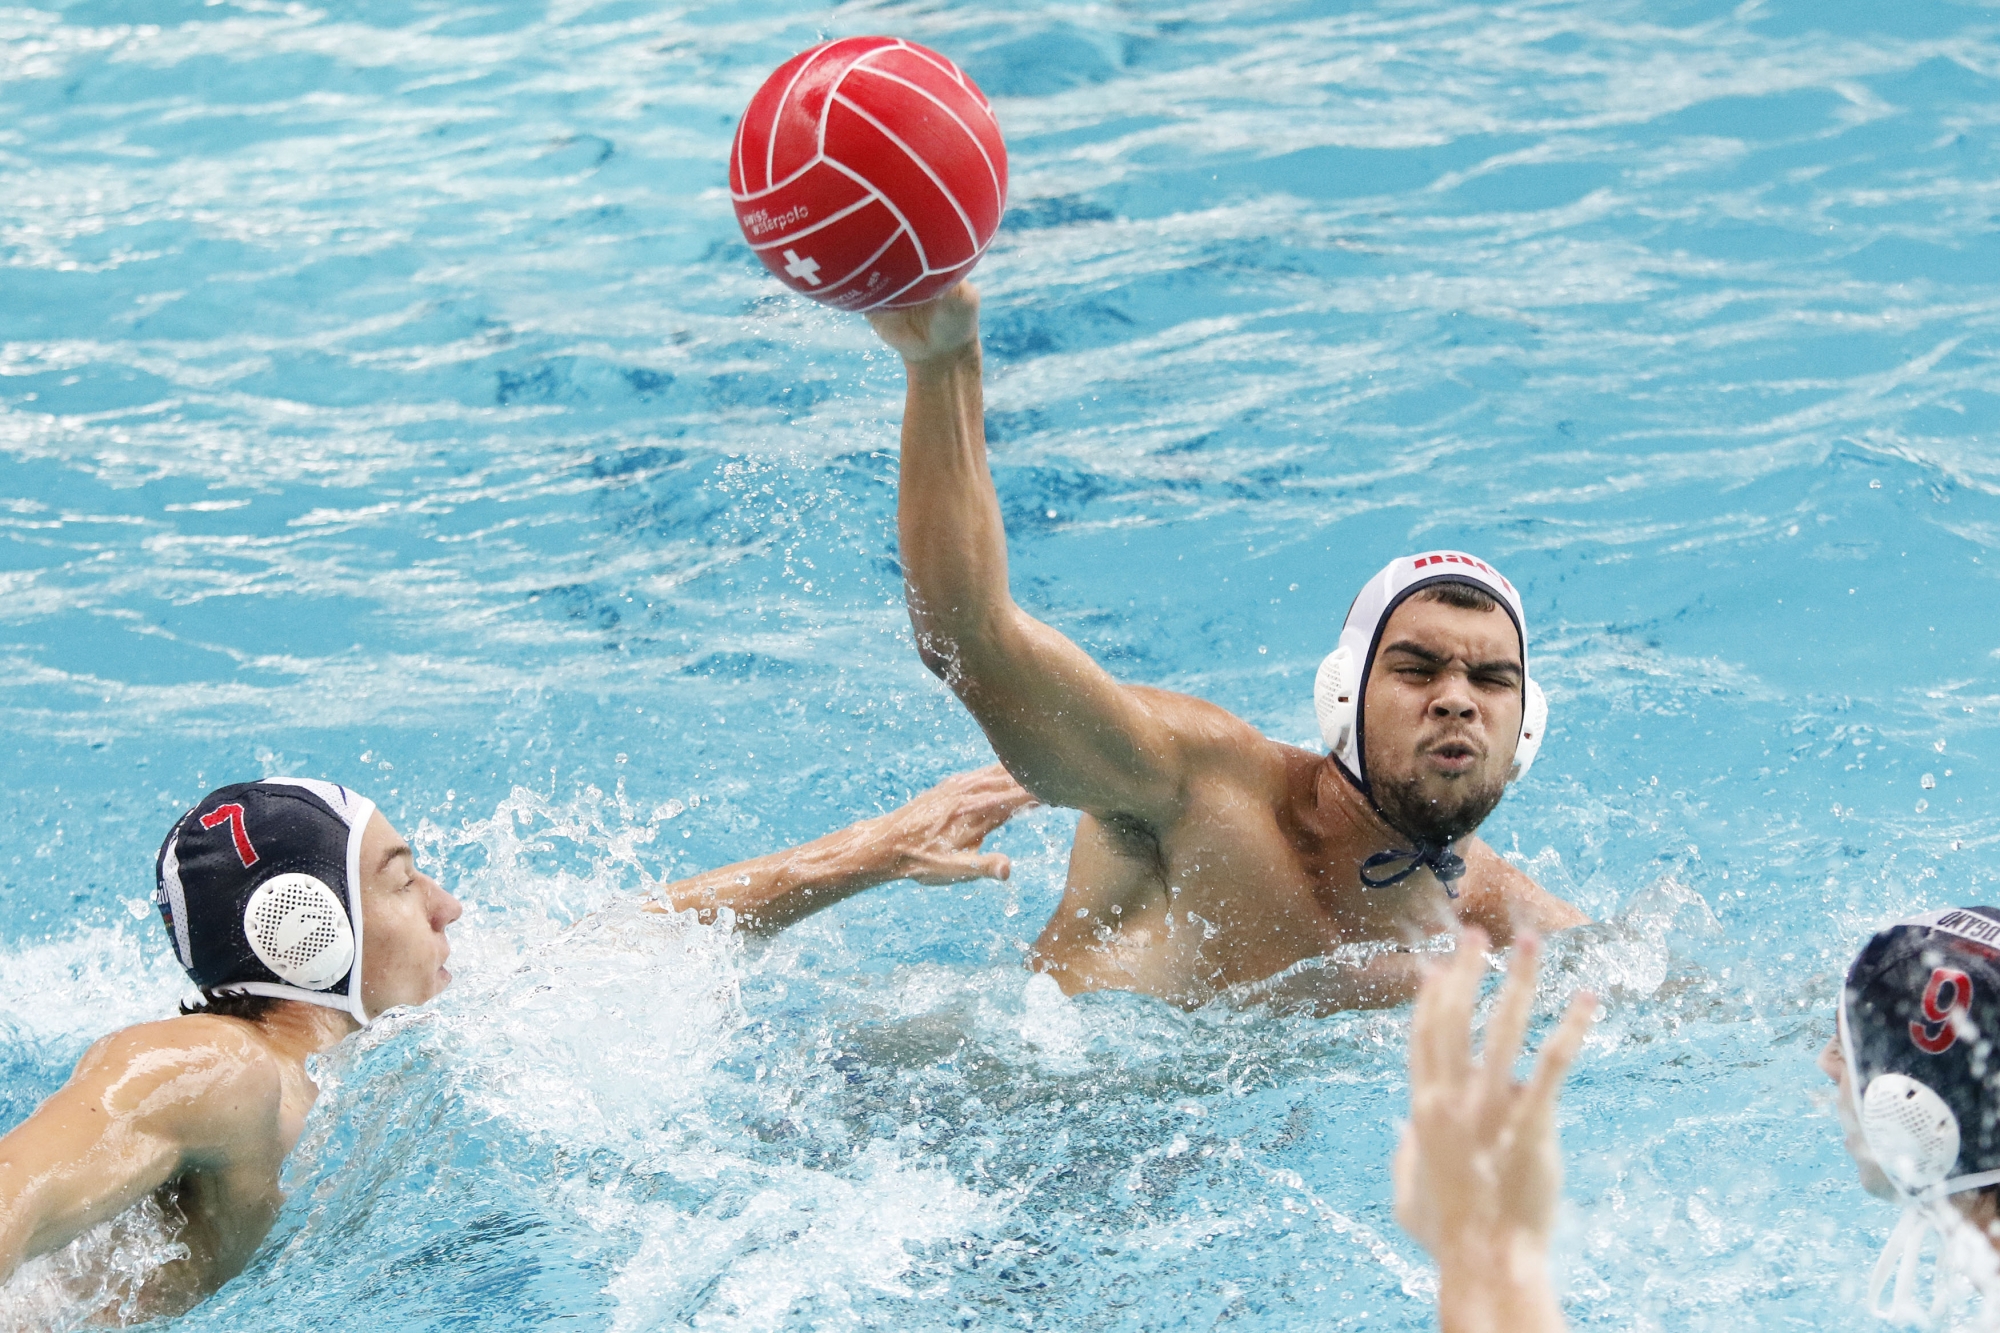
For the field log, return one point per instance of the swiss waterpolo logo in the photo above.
(760, 222)
(1949, 990)
(1455, 558)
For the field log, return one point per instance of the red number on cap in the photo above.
(1935, 1035)
(233, 815)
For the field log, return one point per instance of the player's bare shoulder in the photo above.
(1503, 899)
(1208, 733)
(204, 1079)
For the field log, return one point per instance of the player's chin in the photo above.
(1873, 1179)
(1453, 787)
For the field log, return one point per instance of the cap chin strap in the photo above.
(1959, 1249)
(1446, 864)
(1927, 1211)
(349, 1005)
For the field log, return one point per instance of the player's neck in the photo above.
(296, 1029)
(1346, 816)
(1982, 1212)
(1354, 831)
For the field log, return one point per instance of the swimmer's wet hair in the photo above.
(1464, 596)
(251, 1008)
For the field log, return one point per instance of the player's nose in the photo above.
(445, 909)
(1454, 700)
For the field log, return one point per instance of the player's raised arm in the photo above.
(1060, 723)
(138, 1112)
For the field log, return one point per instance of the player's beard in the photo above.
(1432, 822)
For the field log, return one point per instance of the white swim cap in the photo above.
(1343, 675)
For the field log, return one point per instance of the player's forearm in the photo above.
(12, 1242)
(25, 1229)
(34, 1221)
(772, 892)
(953, 541)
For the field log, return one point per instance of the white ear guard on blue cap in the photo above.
(1337, 686)
(302, 924)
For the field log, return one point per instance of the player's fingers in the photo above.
(1508, 1023)
(1425, 1018)
(1431, 1044)
(958, 868)
(1405, 1173)
(1448, 1038)
(991, 809)
(1559, 1052)
(986, 796)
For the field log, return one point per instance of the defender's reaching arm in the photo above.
(933, 840)
(1059, 722)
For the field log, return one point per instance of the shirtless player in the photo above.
(300, 914)
(1208, 856)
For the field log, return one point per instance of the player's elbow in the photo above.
(951, 642)
(939, 654)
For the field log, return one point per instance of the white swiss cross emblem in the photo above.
(805, 270)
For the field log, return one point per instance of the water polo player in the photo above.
(300, 915)
(1916, 1087)
(1209, 856)
(1918, 1091)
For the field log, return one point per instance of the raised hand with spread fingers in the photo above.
(1479, 1172)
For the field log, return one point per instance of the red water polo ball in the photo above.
(868, 173)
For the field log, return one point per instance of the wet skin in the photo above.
(200, 1111)
(1208, 857)
(1834, 1065)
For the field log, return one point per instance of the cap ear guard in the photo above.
(299, 929)
(1911, 1132)
(1336, 693)
(1534, 722)
(1337, 697)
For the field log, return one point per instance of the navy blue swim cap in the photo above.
(260, 888)
(1920, 1016)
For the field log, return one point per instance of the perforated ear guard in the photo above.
(1337, 696)
(1910, 1131)
(299, 929)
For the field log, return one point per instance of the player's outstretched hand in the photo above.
(935, 838)
(1479, 1173)
(933, 330)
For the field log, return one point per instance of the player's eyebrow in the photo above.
(1418, 651)
(1500, 665)
(400, 849)
(1430, 657)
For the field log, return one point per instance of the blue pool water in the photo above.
(385, 395)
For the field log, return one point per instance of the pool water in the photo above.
(386, 396)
